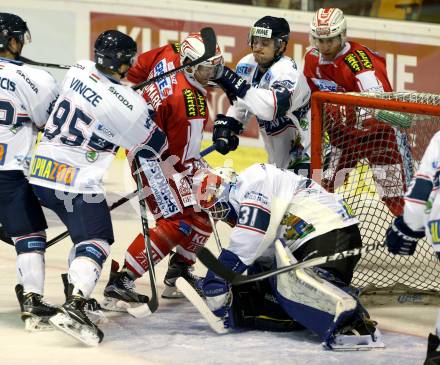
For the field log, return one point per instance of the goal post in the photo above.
(366, 147)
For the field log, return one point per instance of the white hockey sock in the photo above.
(71, 255)
(30, 271)
(84, 274)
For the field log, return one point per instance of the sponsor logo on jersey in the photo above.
(163, 85)
(244, 69)
(353, 63)
(153, 95)
(434, 229)
(77, 65)
(295, 227)
(7, 84)
(325, 85)
(176, 47)
(195, 104)
(50, 170)
(160, 188)
(121, 98)
(3, 150)
(184, 190)
(28, 81)
(365, 60)
(105, 130)
(92, 156)
(257, 196)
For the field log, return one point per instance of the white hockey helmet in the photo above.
(329, 23)
(193, 48)
(213, 188)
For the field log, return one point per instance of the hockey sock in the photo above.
(83, 274)
(30, 270)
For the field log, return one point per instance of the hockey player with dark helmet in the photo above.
(264, 29)
(14, 33)
(114, 52)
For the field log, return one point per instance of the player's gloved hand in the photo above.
(400, 239)
(224, 133)
(234, 85)
(217, 291)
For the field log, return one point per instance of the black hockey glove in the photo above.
(402, 240)
(224, 133)
(234, 85)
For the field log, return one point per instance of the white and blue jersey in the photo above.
(26, 97)
(306, 211)
(92, 117)
(422, 200)
(280, 100)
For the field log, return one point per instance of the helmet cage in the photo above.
(213, 191)
(193, 48)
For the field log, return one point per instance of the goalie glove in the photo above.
(224, 133)
(233, 85)
(402, 240)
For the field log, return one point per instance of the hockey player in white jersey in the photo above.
(269, 85)
(280, 217)
(94, 114)
(26, 98)
(421, 217)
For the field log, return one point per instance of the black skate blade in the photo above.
(80, 332)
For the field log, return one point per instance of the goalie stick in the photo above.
(212, 263)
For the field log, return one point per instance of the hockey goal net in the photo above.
(366, 147)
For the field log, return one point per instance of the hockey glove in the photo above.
(217, 291)
(400, 239)
(234, 86)
(224, 133)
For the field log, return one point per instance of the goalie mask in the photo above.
(328, 23)
(12, 26)
(114, 49)
(213, 188)
(193, 48)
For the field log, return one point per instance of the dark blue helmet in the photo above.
(270, 27)
(12, 26)
(113, 49)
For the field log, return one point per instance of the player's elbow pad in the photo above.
(154, 146)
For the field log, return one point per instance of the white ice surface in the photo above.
(176, 333)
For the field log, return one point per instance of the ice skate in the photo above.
(119, 293)
(72, 319)
(35, 312)
(178, 269)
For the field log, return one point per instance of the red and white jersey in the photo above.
(355, 68)
(26, 98)
(422, 200)
(179, 102)
(274, 203)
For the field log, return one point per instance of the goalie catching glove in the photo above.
(402, 240)
(225, 133)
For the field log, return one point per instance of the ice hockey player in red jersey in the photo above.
(337, 65)
(180, 110)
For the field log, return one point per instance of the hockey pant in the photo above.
(387, 151)
(187, 234)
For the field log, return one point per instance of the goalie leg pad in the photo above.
(315, 303)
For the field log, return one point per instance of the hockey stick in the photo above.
(212, 263)
(210, 43)
(63, 235)
(148, 308)
(207, 150)
(214, 230)
(43, 64)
